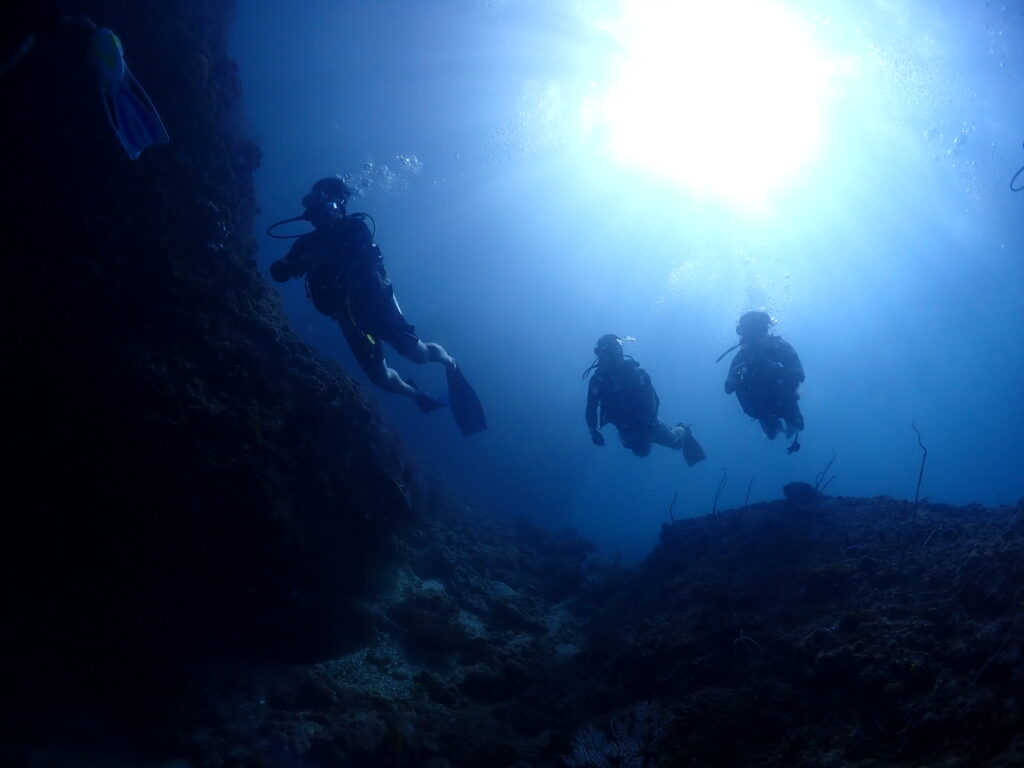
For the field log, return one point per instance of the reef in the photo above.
(186, 485)
(216, 552)
(857, 632)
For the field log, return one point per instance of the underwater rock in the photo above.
(431, 625)
(192, 482)
(802, 606)
(800, 493)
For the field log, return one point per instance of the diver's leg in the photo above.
(629, 440)
(389, 380)
(642, 448)
(771, 426)
(670, 437)
(794, 419)
(400, 334)
(637, 440)
(788, 409)
(370, 355)
(425, 352)
(466, 407)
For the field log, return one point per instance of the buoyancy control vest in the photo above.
(626, 395)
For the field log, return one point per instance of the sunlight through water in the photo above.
(724, 99)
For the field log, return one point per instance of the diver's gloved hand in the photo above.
(279, 271)
(597, 437)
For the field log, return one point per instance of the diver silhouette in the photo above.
(765, 375)
(346, 280)
(623, 394)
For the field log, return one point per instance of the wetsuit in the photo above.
(622, 394)
(765, 375)
(346, 280)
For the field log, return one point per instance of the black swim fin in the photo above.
(469, 414)
(692, 451)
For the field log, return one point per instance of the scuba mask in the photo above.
(610, 343)
(750, 327)
(609, 347)
(321, 206)
(324, 205)
(754, 324)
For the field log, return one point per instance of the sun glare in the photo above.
(722, 98)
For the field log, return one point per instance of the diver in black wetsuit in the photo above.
(765, 375)
(621, 393)
(346, 280)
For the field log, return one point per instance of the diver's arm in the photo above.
(790, 362)
(798, 369)
(294, 264)
(651, 406)
(732, 380)
(282, 271)
(593, 398)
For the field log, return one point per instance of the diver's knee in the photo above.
(382, 376)
(437, 354)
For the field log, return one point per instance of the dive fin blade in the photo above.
(469, 413)
(692, 451)
(138, 123)
(132, 115)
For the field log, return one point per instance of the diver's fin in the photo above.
(129, 109)
(469, 414)
(692, 451)
(133, 117)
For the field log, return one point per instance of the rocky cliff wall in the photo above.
(185, 482)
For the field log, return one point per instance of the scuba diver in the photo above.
(346, 280)
(765, 375)
(622, 391)
(130, 111)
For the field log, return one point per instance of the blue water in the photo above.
(894, 261)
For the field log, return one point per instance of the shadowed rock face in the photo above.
(185, 482)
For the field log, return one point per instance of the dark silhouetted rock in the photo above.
(801, 493)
